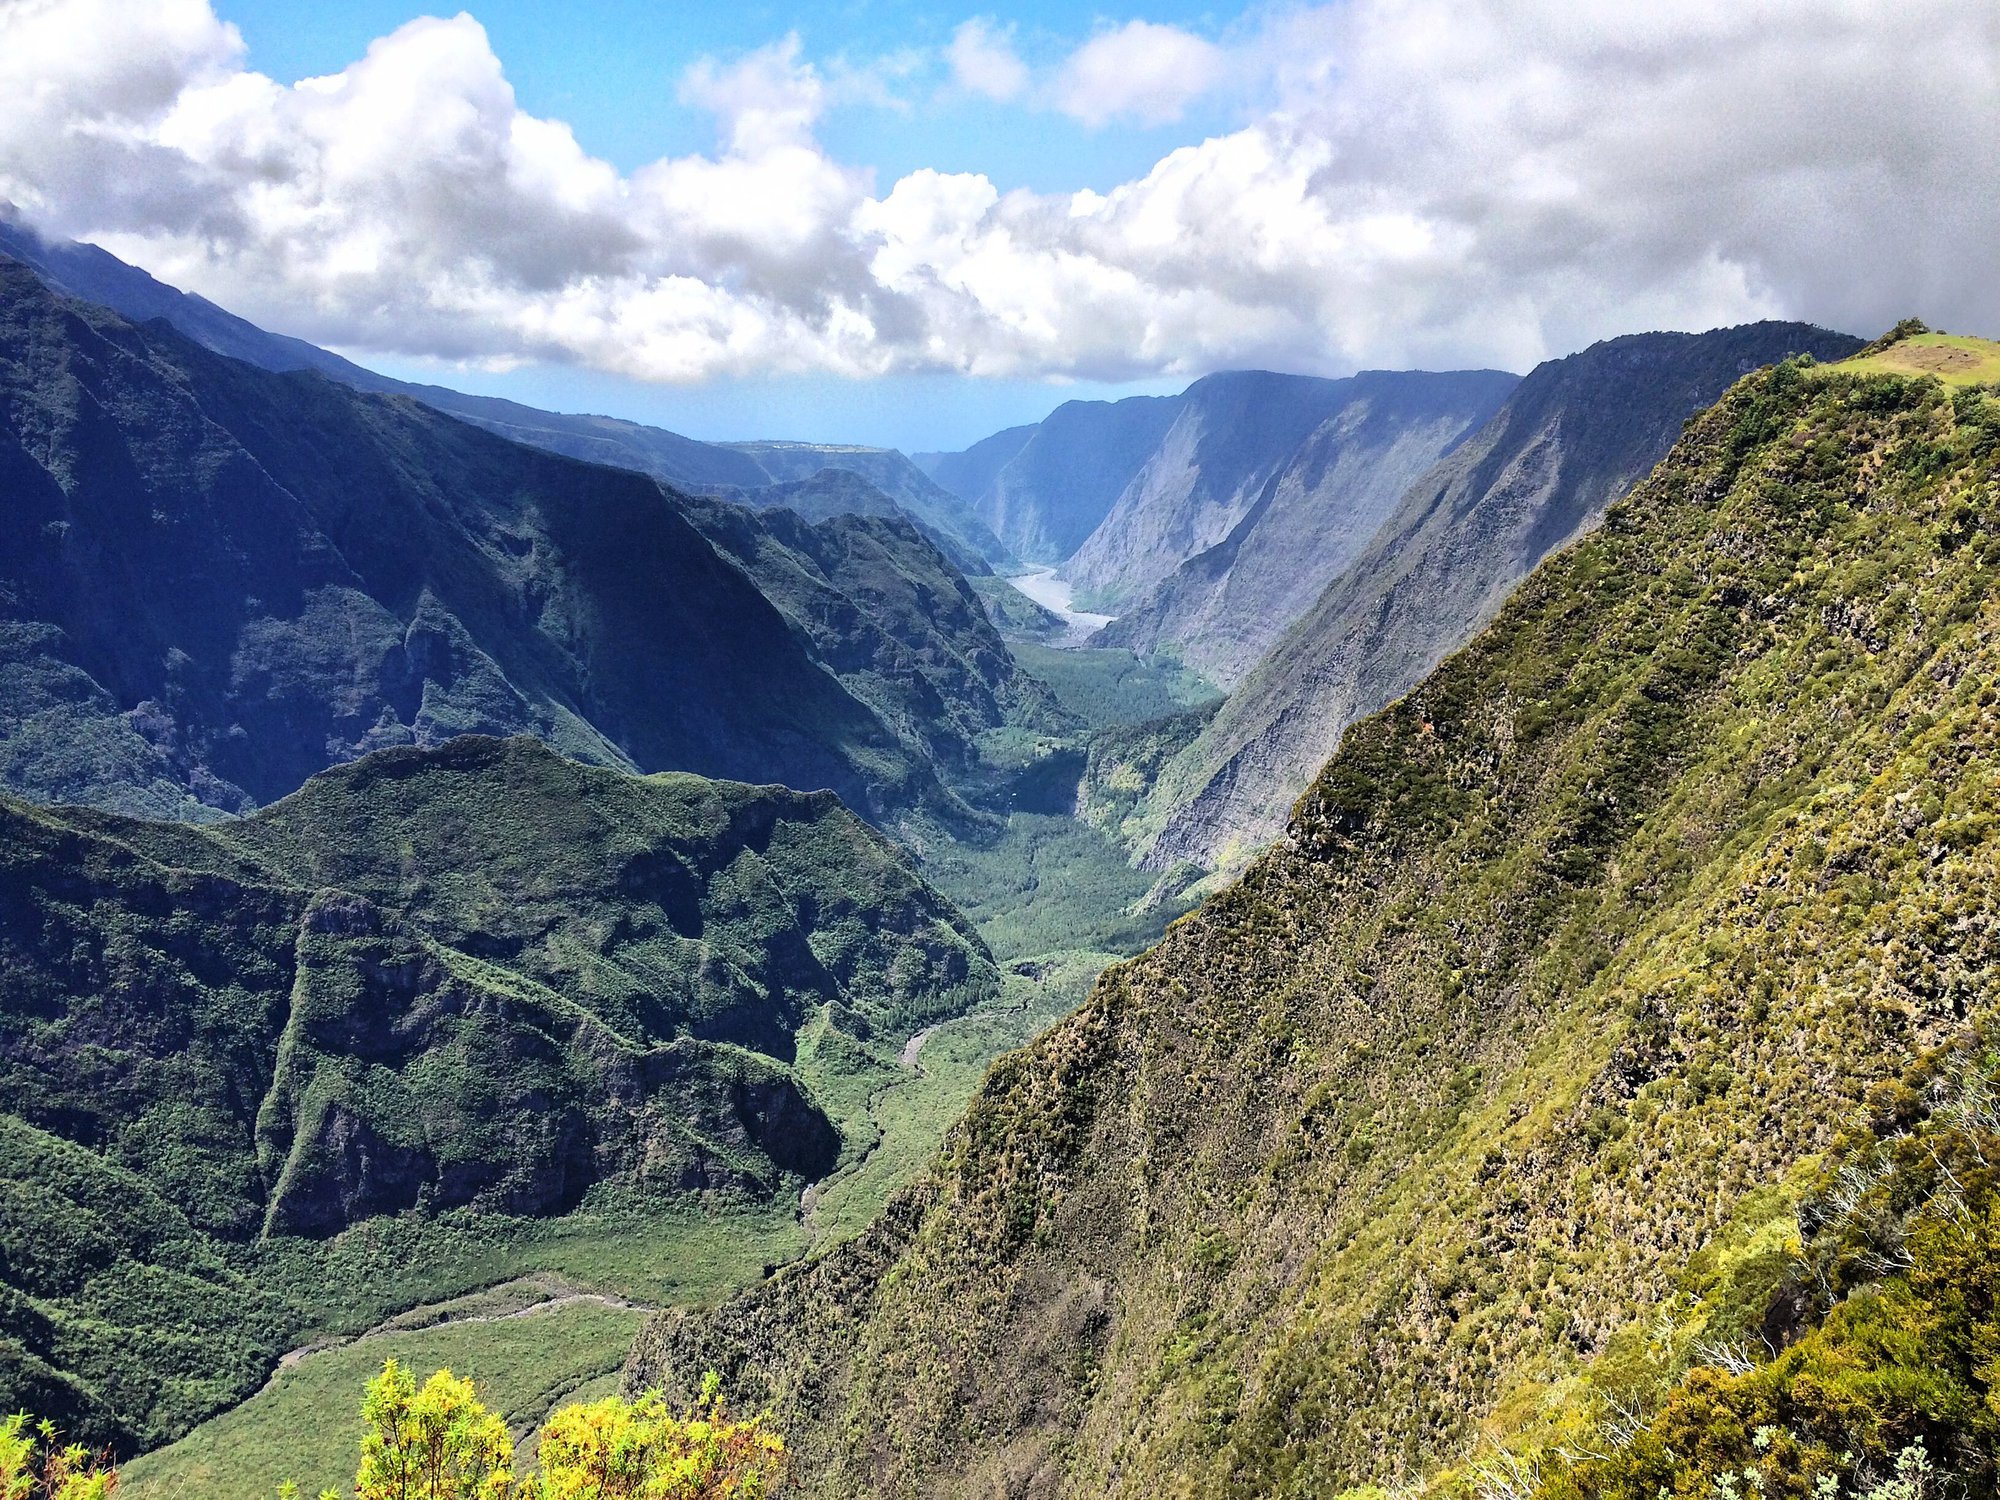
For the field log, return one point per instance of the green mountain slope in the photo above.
(885, 611)
(1573, 436)
(1573, 957)
(475, 984)
(218, 581)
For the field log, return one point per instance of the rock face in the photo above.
(1573, 436)
(1230, 435)
(217, 581)
(1456, 1104)
(1227, 605)
(478, 977)
(1064, 477)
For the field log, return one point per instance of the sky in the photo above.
(912, 223)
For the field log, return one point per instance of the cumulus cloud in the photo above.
(1426, 182)
(983, 60)
(1138, 71)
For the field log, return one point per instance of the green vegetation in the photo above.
(1125, 764)
(303, 1426)
(1103, 687)
(1577, 434)
(914, 1113)
(442, 1440)
(1052, 885)
(1880, 1379)
(306, 573)
(1520, 1048)
(1912, 349)
(35, 1466)
(440, 1019)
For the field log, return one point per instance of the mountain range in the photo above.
(1580, 1085)
(1478, 1137)
(1572, 437)
(222, 580)
(94, 275)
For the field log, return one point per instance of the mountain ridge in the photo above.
(303, 573)
(1222, 609)
(1569, 439)
(473, 980)
(1572, 957)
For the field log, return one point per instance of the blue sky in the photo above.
(610, 68)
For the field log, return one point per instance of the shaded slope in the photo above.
(219, 581)
(971, 473)
(1574, 435)
(95, 275)
(1230, 434)
(477, 979)
(1608, 925)
(1225, 607)
(1064, 478)
(944, 515)
(888, 614)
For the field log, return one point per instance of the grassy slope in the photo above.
(1604, 929)
(1114, 686)
(1956, 359)
(306, 1424)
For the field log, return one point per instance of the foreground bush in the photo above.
(437, 1441)
(34, 1467)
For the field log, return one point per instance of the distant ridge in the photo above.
(96, 275)
(219, 580)
(1572, 437)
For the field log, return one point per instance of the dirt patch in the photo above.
(1936, 359)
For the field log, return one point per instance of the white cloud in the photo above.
(1139, 71)
(983, 60)
(1441, 182)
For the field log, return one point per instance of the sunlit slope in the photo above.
(1955, 358)
(1609, 924)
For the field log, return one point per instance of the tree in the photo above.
(642, 1450)
(437, 1443)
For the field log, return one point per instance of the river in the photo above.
(1052, 591)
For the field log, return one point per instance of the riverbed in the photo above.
(1053, 592)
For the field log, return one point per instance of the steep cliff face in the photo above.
(1230, 434)
(1571, 956)
(1061, 481)
(1226, 606)
(478, 979)
(1574, 435)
